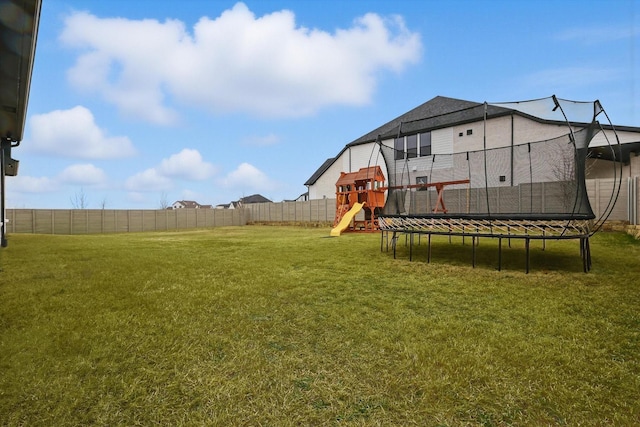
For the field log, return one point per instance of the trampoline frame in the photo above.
(537, 229)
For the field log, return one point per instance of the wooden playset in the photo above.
(355, 191)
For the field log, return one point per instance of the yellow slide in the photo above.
(346, 219)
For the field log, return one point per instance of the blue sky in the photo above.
(138, 102)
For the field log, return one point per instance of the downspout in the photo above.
(512, 148)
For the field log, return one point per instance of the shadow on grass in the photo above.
(550, 256)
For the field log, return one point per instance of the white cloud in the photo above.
(267, 66)
(80, 174)
(74, 133)
(83, 174)
(248, 177)
(30, 184)
(148, 180)
(186, 165)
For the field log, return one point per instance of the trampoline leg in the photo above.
(526, 249)
(585, 251)
(429, 248)
(499, 253)
(473, 251)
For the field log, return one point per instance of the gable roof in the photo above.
(255, 198)
(188, 203)
(436, 113)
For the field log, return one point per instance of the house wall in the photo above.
(505, 166)
(600, 169)
(351, 160)
(607, 137)
(502, 132)
(325, 186)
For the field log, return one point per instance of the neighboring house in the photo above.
(187, 204)
(303, 197)
(254, 198)
(447, 126)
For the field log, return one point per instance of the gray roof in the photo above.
(436, 113)
(188, 203)
(255, 198)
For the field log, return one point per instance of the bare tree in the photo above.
(164, 202)
(79, 200)
(103, 203)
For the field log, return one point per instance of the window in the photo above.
(469, 131)
(425, 144)
(398, 144)
(422, 180)
(412, 146)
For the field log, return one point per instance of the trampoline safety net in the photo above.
(496, 168)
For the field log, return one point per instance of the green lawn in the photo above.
(282, 326)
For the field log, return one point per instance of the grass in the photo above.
(282, 326)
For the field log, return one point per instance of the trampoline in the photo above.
(517, 172)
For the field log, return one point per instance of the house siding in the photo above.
(325, 186)
(351, 160)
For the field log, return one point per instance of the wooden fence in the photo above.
(313, 211)
(89, 221)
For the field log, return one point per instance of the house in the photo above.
(448, 126)
(188, 204)
(254, 198)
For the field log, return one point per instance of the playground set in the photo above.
(355, 191)
(365, 189)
